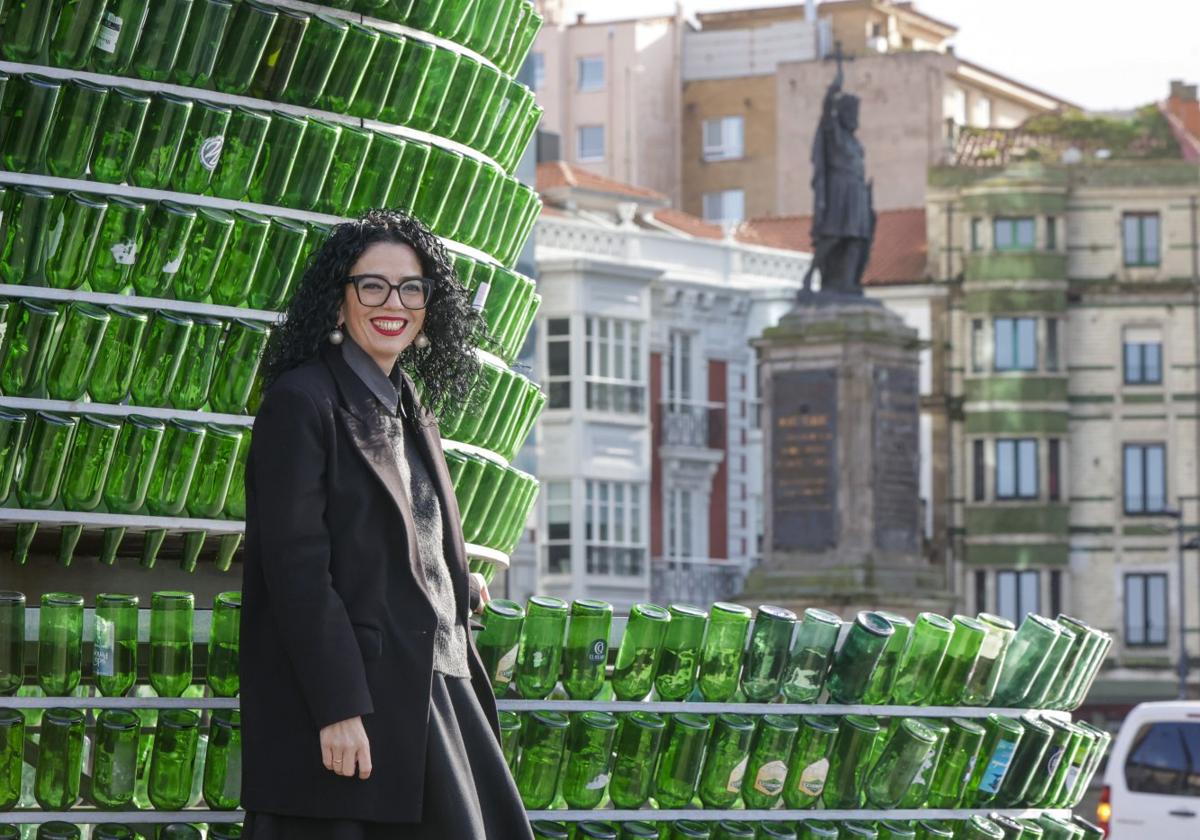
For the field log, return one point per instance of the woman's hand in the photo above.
(484, 595)
(343, 745)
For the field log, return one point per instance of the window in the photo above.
(1016, 469)
(1013, 233)
(1139, 235)
(1145, 477)
(1051, 344)
(591, 143)
(1017, 594)
(976, 234)
(591, 73)
(558, 527)
(723, 138)
(558, 363)
(1143, 356)
(725, 206)
(679, 523)
(1165, 759)
(954, 105)
(1051, 233)
(977, 345)
(613, 352)
(979, 470)
(981, 112)
(537, 62)
(679, 367)
(1016, 344)
(1053, 470)
(1146, 609)
(612, 528)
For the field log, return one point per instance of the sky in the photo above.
(1099, 54)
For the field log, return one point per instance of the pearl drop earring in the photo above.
(336, 337)
(421, 341)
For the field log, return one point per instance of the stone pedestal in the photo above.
(841, 413)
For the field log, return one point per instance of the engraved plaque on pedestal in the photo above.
(804, 460)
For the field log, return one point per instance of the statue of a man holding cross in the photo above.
(843, 222)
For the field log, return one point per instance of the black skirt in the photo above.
(469, 792)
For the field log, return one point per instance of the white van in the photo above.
(1152, 784)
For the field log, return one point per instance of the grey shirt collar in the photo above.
(385, 388)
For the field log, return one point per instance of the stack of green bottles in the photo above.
(507, 300)
(506, 414)
(58, 830)
(494, 501)
(137, 465)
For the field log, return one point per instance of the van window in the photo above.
(1165, 759)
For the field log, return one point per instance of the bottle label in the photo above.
(1072, 773)
(997, 767)
(103, 653)
(125, 253)
(597, 783)
(173, 266)
(506, 666)
(481, 295)
(598, 652)
(736, 775)
(110, 31)
(970, 769)
(812, 777)
(538, 658)
(770, 778)
(210, 152)
(1056, 755)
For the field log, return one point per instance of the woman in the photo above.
(366, 712)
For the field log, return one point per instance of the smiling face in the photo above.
(383, 331)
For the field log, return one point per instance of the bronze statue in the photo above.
(843, 222)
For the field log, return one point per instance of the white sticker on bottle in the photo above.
(109, 32)
(970, 769)
(1072, 773)
(210, 152)
(770, 778)
(104, 651)
(812, 777)
(506, 666)
(1056, 755)
(598, 783)
(734, 784)
(481, 295)
(125, 253)
(173, 266)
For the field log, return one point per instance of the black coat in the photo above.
(336, 620)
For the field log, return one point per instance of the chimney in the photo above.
(580, 17)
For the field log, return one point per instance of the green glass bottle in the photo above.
(171, 639)
(120, 29)
(281, 150)
(278, 265)
(690, 830)
(883, 679)
(1081, 681)
(542, 740)
(774, 738)
(77, 218)
(243, 146)
(918, 791)
(808, 663)
(818, 830)
(166, 245)
(74, 130)
(728, 830)
(350, 70)
(159, 142)
(935, 830)
(40, 473)
(160, 357)
(245, 42)
(117, 243)
(173, 758)
(26, 31)
(443, 68)
(116, 831)
(896, 830)
(87, 468)
(1026, 654)
(681, 761)
(12, 649)
(190, 390)
(858, 657)
(23, 237)
(75, 33)
(235, 500)
(318, 54)
(856, 830)
(589, 759)
(954, 769)
(721, 656)
(241, 354)
(202, 42)
(725, 760)
(639, 830)
(540, 652)
(279, 57)
(12, 756)
(385, 64)
(909, 747)
(224, 645)
(637, 657)
(1087, 640)
(978, 828)
(961, 655)
(76, 351)
(203, 253)
(378, 171)
(240, 263)
(1043, 683)
(345, 169)
(1090, 831)
(115, 652)
(162, 36)
(848, 767)
(680, 656)
(203, 140)
(117, 133)
(115, 754)
(214, 472)
(119, 350)
(984, 677)
(499, 641)
(510, 738)
(1013, 830)
(1056, 828)
(637, 745)
(60, 643)
(593, 830)
(60, 759)
(404, 188)
(550, 830)
(223, 761)
(1073, 793)
(1069, 767)
(1030, 755)
(767, 656)
(1056, 752)
(31, 103)
(808, 767)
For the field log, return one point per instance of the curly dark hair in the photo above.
(445, 370)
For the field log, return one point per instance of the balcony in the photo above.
(695, 425)
(696, 580)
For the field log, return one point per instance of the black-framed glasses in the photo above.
(374, 290)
